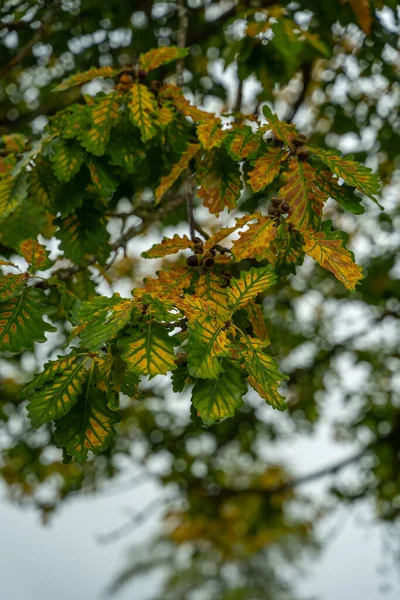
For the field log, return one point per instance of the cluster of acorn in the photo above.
(298, 148)
(199, 258)
(278, 207)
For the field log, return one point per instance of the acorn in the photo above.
(276, 201)
(143, 74)
(126, 79)
(300, 139)
(198, 245)
(196, 240)
(284, 207)
(209, 260)
(302, 152)
(194, 260)
(273, 211)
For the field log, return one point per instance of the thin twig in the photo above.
(239, 97)
(23, 52)
(181, 37)
(137, 520)
(306, 73)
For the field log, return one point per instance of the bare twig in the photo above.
(306, 72)
(23, 52)
(239, 97)
(181, 37)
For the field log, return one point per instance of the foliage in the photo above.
(129, 149)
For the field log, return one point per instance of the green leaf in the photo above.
(354, 173)
(21, 321)
(104, 116)
(56, 396)
(160, 56)
(89, 426)
(101, 319)
(148, 350)
(219, 180)
(342, 194)
(11, 285)
(249, 285)
(84, 235)
(13, 190)
(219, 398)
(102, 177)
(35, 255)
(264, 375)
(67, 159)
(125, 151)
(208, 343)
(43, 184)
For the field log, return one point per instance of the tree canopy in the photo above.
(180, 215)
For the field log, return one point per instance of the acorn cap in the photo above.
(196, 240)
(209, 261)
(302, 152)
(276, 201)
(284, 207)
(300, 139)
(193, 260)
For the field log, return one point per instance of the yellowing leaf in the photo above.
(148, 350)
(266, 168)
(220, 182)
(256, 318)
(328, 249)
(21, 321)
(283, 131)
(168, 284)
(67, 159)
(169, 180)
(101, 319)
(88, 426)
(143, 110)
(161, 56)
(104, 116)
(43, 184)
(211, 287)
(177, 98)
(225, 231)
(249, 285)
(305, 199)
(210, 133)
(197, 310)
(55, 397)
(36, 255)
(354, 173)
(13, 190)
(242, 143)
(11, 285)
(165, 115)
(255, 240)
(168, 246)
(220, 398)
(81, 78)
(264, 375)
(208, 343)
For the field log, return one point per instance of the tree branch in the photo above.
(181, 37)
(306, 72)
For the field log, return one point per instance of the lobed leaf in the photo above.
(220, 182)
(81, 78)
(220, 398)
(11, 285)
(255, 240)
(285, 132)
(208, 343)
(168, 284)
(168, 246)
(148, 350)
(160, 56)
(250, 283)
(13, 190)
(263, 372)
(242, 143)
(210, 133)
(168, 180)
(142, 108)
(266, 168)
(21, 321)
(328, 249)
(104, 116)
(89, 426)
(57, 395)
(301, 192)
(225, 231)
(35, 255)
(67, 159)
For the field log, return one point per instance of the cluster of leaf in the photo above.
(202, 323)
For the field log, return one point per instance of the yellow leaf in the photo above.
(266, 168)
(35, 254)
(305, 199)
(165, 115)
(143, 110)
(104, 115)
(220, 182)
(255, 240)
(168, 284)
(168, 246)
(248, 285)
(210, 133)
(225, 231)
(168, 180)
(242, 143)
(177, 98)
(211, 287)
(328, 249)
(148, 350)
(256, 318)
(81, 78)
(161, 56)
(208, 344)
